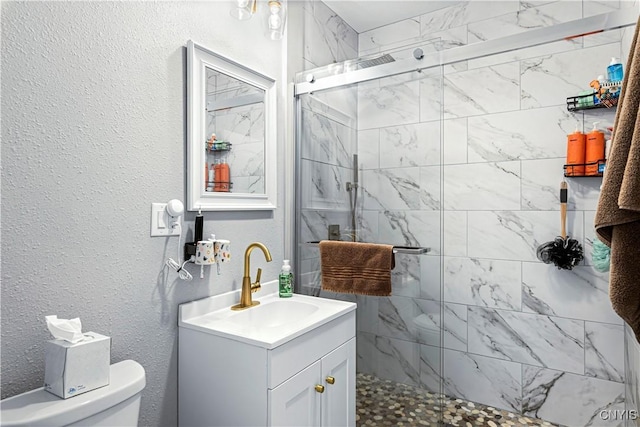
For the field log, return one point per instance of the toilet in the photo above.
(117, 404)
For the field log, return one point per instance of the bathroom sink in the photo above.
(275, 321)
(274, 314)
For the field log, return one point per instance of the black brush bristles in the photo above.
(570, 255)
(563, 253)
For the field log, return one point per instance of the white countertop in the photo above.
(272, 323)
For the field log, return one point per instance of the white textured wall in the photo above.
(93, 132)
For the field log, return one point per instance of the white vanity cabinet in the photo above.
(233, 381)
(322, 394)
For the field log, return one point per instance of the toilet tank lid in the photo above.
(41, 408)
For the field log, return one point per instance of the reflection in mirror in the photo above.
(231, 135)
(235, 135)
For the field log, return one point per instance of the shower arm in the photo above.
(354, 185)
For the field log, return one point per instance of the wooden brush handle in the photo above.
(563, 209)
(563, 218)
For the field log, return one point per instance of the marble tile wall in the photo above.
(327, 37)
(474, 175)
(632, 377)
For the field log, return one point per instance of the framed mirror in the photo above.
(231, 134)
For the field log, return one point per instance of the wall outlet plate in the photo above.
(161, 221)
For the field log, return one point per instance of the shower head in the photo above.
(384, 59)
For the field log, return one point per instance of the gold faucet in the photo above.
(247, 287)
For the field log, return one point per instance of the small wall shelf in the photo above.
(604, 95)
(582, 102)
(219, 186)
(217, 147)
(573, 170)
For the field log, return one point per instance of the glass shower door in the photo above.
(385, 135)
(327, 144)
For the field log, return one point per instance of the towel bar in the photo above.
(409, 250)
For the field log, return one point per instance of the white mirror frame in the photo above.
(198, 59)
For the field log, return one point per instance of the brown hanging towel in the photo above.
(617, 219)
(356, 268)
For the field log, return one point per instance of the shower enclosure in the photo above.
(459, 153)
(375, 174)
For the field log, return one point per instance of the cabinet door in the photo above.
(296, 402)
(339, 398)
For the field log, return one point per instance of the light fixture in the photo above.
(275, 19)
(275, 22)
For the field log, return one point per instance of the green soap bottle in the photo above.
(285, 281)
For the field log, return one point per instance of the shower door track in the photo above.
(539, 36)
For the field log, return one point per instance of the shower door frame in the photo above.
(564, 31)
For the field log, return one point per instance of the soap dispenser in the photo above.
(595, 150)
(576, 152)
(285, 281)
(614, 70)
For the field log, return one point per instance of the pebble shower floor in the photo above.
(387, 403)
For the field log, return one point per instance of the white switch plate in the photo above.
(160, 221)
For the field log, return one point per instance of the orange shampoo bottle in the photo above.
(576, 153)
(595, 150)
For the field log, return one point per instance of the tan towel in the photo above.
(356, 268)
(617, 219)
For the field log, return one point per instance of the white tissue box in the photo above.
(72, 369)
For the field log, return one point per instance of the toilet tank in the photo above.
(117, 404)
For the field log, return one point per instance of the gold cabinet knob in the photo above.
(330, 380)
(319, 388)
